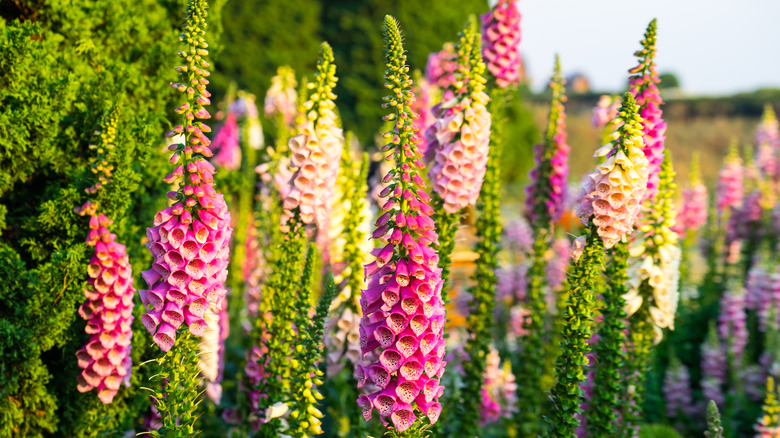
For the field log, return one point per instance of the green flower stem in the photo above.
(447, 226)
(566, 395)
(641, 336)
(480, 321)
(179, 383)
(530, 363)
(608, 385)
(353, 254)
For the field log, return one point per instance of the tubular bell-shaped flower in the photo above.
(316, 151)
(190, 239)
(228, 152)
(501, 42)
(105, 358)
(613, 193)
(654, 267)
(281, 99)
(459, 139)
(211, 361)
(546, 195)
(692, 210)
(108, 310)
(643, 86)
(730, 182)
(441, 66)
(403, 314)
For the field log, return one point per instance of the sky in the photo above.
(714, 47)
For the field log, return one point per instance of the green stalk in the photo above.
(178, 399)
(566, 395)
(605, 404)
(480, 321)
(641, 336)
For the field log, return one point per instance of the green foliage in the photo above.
(62, 64)
(657, 431)
(480, 320)
(566, 394)
(605, 404)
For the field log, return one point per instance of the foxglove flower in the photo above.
(316, 151)
(501, 42)
(498, 393)
(612, 194)
(108, 310)
(211, 361)
(768, 131)
(732, 322)
(245, 110)
(643, 85)
(655, 258)
(459, 139)
(605, 111)
(556, 267)
(190, 239)
(422, 107)
(692, 210)
(546, 195)
(282, 98)
(403, 314)
(677, 391)
(768, 425)
(441, 66)
(713, 368)
(730, 183)
(228, 153)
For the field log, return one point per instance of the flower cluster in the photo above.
(732, 321)
(228, 152)
(501, 42)
(441, 66)
(282, 98)
(643, 85)
(402, 307)
(612, 194)
(459, 139)
(499, 399)
(655, 257)
(730, 182)
(677, 390)
(768, 131)
(422, 107)
(763, 295)
(605, 111)
(211, 361)
(245, 109)
(190, 239)
(768, 425)
(546, 195)
(713, 368)
(692, 210)
(108, 310)
(316, 151)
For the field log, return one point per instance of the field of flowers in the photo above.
(290, 284)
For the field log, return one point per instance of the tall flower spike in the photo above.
(459, 139)
(403, 314)
(228, 154)
(654, 267)
(714, 428)
(105, 358)
(730, 182)
(441, 66)
(677, 391)
(692, 210)
(281, 99)
(643, 86)
(501, 42)
(612, 194)
(546, 196)
(768, 425)
(316, 151)
(190, 239)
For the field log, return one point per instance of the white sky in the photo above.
(714, 47)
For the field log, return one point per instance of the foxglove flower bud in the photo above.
(644, 88)
(459, 139)
(546, 195)
(501, 42)
(403, 314)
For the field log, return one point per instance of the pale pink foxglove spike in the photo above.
(228, 152)
(501, 42)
